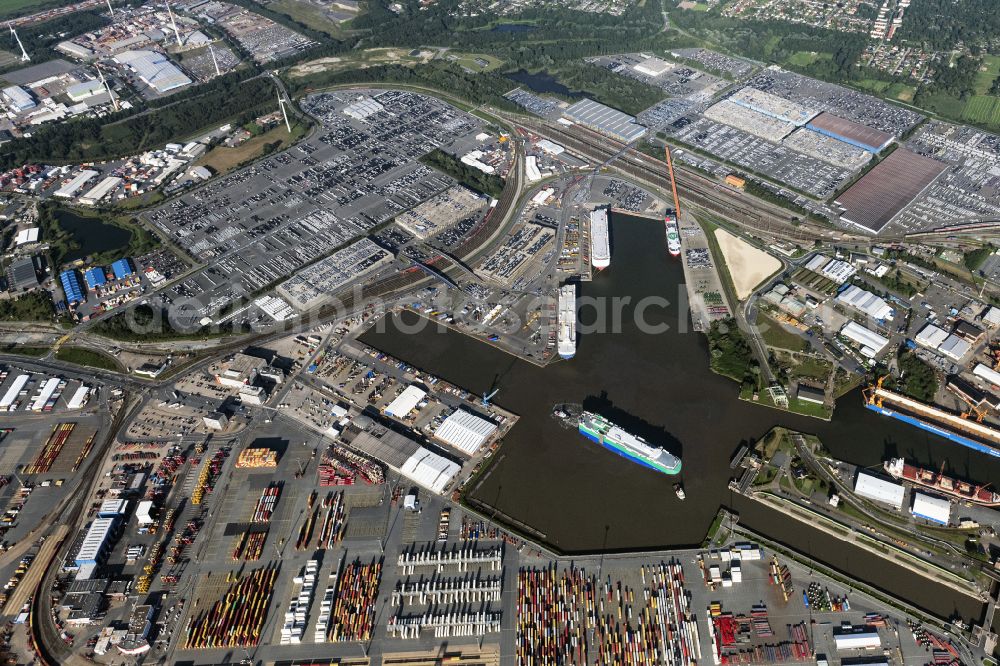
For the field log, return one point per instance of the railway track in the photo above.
(699, 190)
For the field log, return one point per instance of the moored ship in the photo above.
(567, 321)
(600, 244)
(673, 236)
(898, 468)
(954, 427)
(598, 429)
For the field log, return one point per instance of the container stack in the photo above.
(334, 522)
(265, 504)
(761, 625)
(235, 620)
(353, 614)
(257, 458)
(325, 611)
(249, 546)
(295, 616)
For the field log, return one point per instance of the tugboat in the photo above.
(679, 491)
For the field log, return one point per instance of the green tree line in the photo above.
(490, 184)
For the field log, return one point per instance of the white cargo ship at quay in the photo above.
(567, 321)
(600, 245)
(673, 238)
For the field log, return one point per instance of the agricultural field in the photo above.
(983, 109)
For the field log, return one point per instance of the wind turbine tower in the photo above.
(173, 24)
(24, 54)
(214, 61)
(107, 86)
(281, 103)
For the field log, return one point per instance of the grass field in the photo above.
(983, 109)
(309, 15)
(945, 104)
(468, 60)
(222, 159)
(806, 58)
(88, 357)
(6, 59)
(901, 91)
(363, 59)
(12, 8)
(775, 335)
(24, 350)
(873, 85)
(988, 74)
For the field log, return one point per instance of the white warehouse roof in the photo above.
(70, 189)
(101, 190)
(363, 108)
(79, 397)
(871, 342)
(880, 490)
(430, 470)
(25, 236)
(931, 336)
(606, 120)
(84, 89)
(19, 98)
(94, 540)
(865, 301)
(154, 69)
(405, 402)
(954, 347)
(934, 509)
(854, 638)
(987, 373)
(465, 431)
(144, 512)
(835, 269)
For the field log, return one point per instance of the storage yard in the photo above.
(290, 570)
(885, 190)
(350, 176)
(264, 39)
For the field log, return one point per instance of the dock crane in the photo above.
(871, 394)
(978, 411)
(489, 396)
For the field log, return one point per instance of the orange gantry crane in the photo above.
(673, 184)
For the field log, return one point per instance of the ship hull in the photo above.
(610, 446)
(566, 336)
(911, 474)
(937, 430)
(600, 243)
(673, 238)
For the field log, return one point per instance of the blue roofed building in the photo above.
(122, 269)
(71, 287)
(95, 277)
